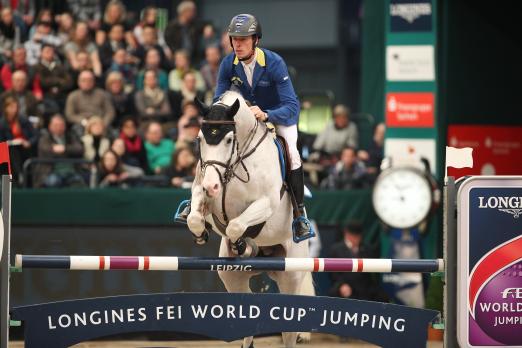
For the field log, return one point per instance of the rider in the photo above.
(261, 77)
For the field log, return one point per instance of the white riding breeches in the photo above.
(290, 135)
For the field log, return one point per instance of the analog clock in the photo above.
(402, 197)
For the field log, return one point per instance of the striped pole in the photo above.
(173, 263)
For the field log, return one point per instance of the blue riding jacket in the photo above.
(272, 89)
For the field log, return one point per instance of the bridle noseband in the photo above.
(231, 164)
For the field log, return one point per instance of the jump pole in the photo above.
(173, 263)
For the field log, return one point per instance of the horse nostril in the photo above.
(216, 186)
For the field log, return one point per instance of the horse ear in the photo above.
(201, 106)
(232, 110)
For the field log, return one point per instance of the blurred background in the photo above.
(97, 107)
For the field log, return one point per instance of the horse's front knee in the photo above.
(235, 230)
(196, 223)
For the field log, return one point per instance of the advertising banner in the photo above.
(410, 110)
(410, 15)
(400, 149)
(410, 63)
(497, 150)
(490, 262)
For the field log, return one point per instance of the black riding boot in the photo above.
(301, 225)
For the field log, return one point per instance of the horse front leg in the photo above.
(257, 212)
(196, 218)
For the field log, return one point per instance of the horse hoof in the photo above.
(251, 250)
(203, 239)
(304, 337)
(250, 346)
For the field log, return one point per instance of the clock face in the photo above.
(402, 197)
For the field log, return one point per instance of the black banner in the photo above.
(222, 316)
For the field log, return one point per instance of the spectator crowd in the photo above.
(115, 91)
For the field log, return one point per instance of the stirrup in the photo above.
(295, 225)
(182, 212)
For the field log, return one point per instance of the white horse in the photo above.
(239, 185)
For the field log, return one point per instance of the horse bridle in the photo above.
(231, 165)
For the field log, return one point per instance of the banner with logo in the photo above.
(410, 15)
(490, 262)
(222, 316)
(410, 109)
(496, 149)
(410, 63)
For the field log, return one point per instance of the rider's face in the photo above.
(243, 46)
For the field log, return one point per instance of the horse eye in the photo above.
(229, 141)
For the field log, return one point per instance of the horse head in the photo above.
(220, 140)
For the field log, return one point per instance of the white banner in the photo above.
(410, 63)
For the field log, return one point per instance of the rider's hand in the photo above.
(258, 113)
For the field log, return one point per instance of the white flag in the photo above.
(459, 158)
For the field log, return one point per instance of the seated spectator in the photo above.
(348, 173)
(19, 63)
(57, 143)
(120, 64)
(88, 11)
(149, 18)
(123, 102)
(65, 22)
(373, 157)
(152, 62)
(27, 103)
(187, 137)
(10, 33)
(188, 111)
(115, 40)
(19, 133)
(42, 35)
(360, 286)
(188, 92)
(88, 101)
(44, 15)
(83, 63)
(115, 15)
(135, 152)
(82, 42)
(338, 134)
(180, 172)
(55, 80)
(152, 102)
(209, 71)
(182, 62)
(150, 41)
(112, 173)
(95, 143)
(118, 146)
(159, 149)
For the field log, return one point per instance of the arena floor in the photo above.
(318, 341)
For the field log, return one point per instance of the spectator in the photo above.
(88, 101)
(348, 173)
(115, 14)
(226, 47)
(373, 157)
(188, 111)
(115, 41)
(42, 35)
(18, 132)
(159, 149)
(360, 286)
(180, 171)
(27, 103)
(150, 41)
(45, 15)
(10, 33)
(19, 63)
(135, 152)
(187, 138)
(152, 102)
(95, 143)
(82, 42)
(65, 23)
(112, 173)
(23, 10)
(338, 134)
(186, 31)
(152, 62)
(122, 101)
(188, 92)
(88, 11)
(120, 63)
(181, 59)
(118, 146)
(149, 18)
(58, 143)
(83, 63)
(54, 78)
(209, 71)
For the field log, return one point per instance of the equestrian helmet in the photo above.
(244, 25)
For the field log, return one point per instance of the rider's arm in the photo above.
(287, 112)
(223, 79)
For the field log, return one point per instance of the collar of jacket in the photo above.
(260, 58)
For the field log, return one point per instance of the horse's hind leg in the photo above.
(235, 282)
